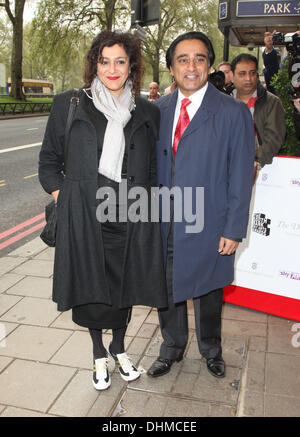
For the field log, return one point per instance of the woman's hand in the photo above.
(55, 194)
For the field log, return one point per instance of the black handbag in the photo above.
(48, 234)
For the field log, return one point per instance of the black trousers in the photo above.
(174, 319)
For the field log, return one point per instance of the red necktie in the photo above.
(251, 104)
(182, 123)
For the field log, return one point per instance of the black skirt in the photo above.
(98, 315)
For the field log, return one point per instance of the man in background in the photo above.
(226, 68)
(153, 92)
(266, 109)
(271, 60)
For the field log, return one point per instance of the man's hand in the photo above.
(227, 247)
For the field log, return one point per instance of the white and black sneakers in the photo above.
(127, 370)
(101, 378)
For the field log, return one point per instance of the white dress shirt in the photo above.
(192, 108)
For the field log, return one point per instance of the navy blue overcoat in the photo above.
(216, 152)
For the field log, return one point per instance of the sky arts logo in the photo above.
(295, 182)
(289, 275)
(261, 224)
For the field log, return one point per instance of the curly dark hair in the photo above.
(131, 45)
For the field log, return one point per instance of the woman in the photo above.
(102, 268)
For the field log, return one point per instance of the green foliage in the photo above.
(281, 82)
(9, 99)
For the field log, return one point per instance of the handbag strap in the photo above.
(74, 101)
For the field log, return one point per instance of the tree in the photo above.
(5, 42)
(55, 54)
(282, 83)
(178, 17)
(159, 36)
(17, 48)
(81, 14)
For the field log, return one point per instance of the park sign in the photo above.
(245, 21)
(267, 8)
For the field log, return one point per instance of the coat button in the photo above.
(161, 185)
(132, 146)
(131, 178)
(165, 152)
(172, 196)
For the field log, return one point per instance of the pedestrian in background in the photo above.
(102, 268)
(266, 109)
(153, 92)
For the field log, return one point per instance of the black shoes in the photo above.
(161, 366)
(216, 366)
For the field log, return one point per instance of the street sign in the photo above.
(2, 76)
(223, 10)
(267, 8)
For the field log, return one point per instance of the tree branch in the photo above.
(8, 10)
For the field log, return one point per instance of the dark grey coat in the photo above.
(79, 267)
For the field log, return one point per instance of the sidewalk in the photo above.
(46, 360)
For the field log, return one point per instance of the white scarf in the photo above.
(117, 112)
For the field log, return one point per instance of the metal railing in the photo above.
(24, 108)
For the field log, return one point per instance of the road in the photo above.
(21, 196)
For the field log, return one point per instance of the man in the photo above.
(266, 109)
(271, 59)
(153, 92)
(215, 151)
(226, 68)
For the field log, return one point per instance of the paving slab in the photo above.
(8, 280)
(7, 302)
(64, 320)
(32, 286)
(21, 412)
(283, 337)
(253, 404)
(77, 398)
(77, 351)
(5, 329)
(35, 267)
(33, 385)
(245, 328)
(239, 313)
(8, 263)
(32, 311)
(142, 404)
(29, 249)
(146, 330)
(138, 317)
(47, 254)
(281, 406)
(34, 342)
(4, 362)
(283, 375)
